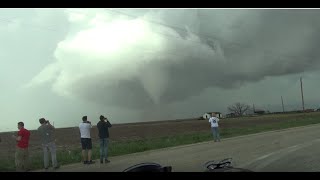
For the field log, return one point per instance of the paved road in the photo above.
(295, 149)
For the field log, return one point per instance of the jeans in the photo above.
(215, 133)
(52, 148)
(104, 148)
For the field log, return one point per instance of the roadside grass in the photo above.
(116, 148)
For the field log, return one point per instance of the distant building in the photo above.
(207, 115)
(249, 112)
(253, 112)
(259, 111)
(309, 110)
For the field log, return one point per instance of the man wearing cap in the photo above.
(103, 127)
(46, 133)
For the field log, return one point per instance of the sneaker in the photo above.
(85, 162)
(57, 167)
(106, 161)
(101, 161)
(90, 162)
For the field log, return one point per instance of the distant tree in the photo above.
(238, 108)
(259, 112)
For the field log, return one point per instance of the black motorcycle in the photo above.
(210, 166)
(148, 167)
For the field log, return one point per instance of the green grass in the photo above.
(133, 146)
(7, 163)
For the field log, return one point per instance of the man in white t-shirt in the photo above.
(86, 143)
(215, 127)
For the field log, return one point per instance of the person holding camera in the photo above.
(46, 133)
(214, 127)
(103, 128)
(86, 143)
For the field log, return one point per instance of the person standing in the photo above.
(46, 133)
(22, 151)
(215, 127)
(103, 128)
(86, 143)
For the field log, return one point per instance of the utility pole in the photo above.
(282, 104)
(254, 110)
(302, 93)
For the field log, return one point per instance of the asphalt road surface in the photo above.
(291, 150)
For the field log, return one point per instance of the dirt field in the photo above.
(67, 137)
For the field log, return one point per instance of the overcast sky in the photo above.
(153, 64)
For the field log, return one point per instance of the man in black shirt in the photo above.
(103, 127)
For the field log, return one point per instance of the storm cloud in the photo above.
(110, 58)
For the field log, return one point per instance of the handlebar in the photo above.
(225, 163)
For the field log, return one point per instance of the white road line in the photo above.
(277, 155)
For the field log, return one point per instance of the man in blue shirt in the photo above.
(103, 128)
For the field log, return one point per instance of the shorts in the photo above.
(86, 143)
